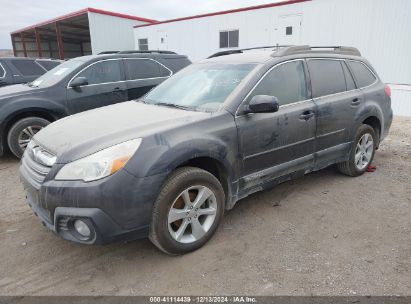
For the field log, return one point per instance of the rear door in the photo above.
(337, 99)
(276, 144)
(143, 74)
(106, 86)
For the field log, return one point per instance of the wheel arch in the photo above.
(24, 113)
(213, 166)
(375, 123)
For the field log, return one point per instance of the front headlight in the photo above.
(100, 164)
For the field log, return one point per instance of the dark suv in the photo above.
(15, 70)
(168, 165)
(77, 85)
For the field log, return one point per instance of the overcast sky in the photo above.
(16, 14)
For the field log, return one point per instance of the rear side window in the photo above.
(48, 64)
(348, 78)
(286, 82)
(102, 72)
(327, 77)
(144, 68)
(176, 64)
(362, 74)
(28, 67)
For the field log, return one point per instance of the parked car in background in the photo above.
(78, 85)
(168, 166)
(14, 70)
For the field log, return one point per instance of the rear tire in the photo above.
(360, 156)
(180, 221)
(22, 132)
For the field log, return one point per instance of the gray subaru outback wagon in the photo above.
(168, 165)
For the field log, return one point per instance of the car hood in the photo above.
(17, 90)
(85, 133)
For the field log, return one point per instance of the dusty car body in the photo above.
(233, 143)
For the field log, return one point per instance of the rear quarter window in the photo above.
(327, 77)
(362, 74)
(28, 67)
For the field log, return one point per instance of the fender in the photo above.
(16, 107)
(165, 158)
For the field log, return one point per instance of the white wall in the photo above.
(380, 29)
(401, 100)
(109, 33)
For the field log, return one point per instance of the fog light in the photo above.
(82, 228)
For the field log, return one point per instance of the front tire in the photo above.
(362, 152)
(187, 211)
(22, 132)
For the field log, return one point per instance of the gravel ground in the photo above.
(323, 234)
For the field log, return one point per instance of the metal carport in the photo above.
(69, 36)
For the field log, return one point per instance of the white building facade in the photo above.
(380, 29)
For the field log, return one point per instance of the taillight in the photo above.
(387, 90)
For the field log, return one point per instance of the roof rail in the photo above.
(108, 52)
(238, 51)
(284, 50)
(296, 49)
(146, 52)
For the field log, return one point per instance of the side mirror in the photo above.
(262, 104)
(78, 82)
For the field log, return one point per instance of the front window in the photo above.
(200, 87)
(57, 74)
(286, 82)
(102, 72)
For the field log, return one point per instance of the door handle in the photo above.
(116, 89)
(306, 115)
(356, 101)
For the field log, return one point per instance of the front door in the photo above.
(273, 145)
(106, 86)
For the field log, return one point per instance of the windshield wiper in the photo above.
(172, 105)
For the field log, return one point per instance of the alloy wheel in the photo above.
(364, 151)
(26, 135)
(192, 214)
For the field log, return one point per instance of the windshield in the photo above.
(200, 86)
(56, 74)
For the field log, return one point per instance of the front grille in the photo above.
(32, 168)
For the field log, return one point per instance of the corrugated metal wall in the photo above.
(381, 29)
(108, 33)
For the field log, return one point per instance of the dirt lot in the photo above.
(324, 234)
